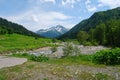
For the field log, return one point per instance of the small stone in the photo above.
(76, 72)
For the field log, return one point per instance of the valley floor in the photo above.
(60, 68)
(63, 71)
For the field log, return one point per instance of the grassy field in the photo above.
(67, 68)
(56, 70)
(14, 42)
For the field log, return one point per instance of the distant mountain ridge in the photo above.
(52, 32)
(8, 27)
(96, 19)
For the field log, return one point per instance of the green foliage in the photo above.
(103, 34)
(24, 55)
(4, 30)
(91, 35)
(109, 57)
(94, 43)
(7, 27)
(79, 59)
(82, 36)
(100, 34)
(103, 28)
(2, 75)
(113, 30)
(70, 50)
(83, 57)
(40, 58)
(101, 76)
(45, 79)
(87, 44)
(54, 40)
(96, 19)
(108, 33)
(16, 42)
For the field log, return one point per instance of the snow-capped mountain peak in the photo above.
(53, 31)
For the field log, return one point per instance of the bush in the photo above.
(40, 58)
(95, 43)
(54, 40)
(109, 57)
(70, 50)
(87, 44)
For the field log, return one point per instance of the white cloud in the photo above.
(58, 15)
(100, 5)
(42, 1)
(53, 1)
(110, 3)
(90, 7)
(36, 19)
(87, 2)
(80, 17)
(69, 3)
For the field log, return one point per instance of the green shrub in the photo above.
(87, 44)
(40, 58)
(101, 76)
(54, 40)
(109, 57)
(95, 43)
(70, 50)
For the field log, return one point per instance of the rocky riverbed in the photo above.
(83, 50)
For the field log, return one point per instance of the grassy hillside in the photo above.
(7, 27)
(14, 42)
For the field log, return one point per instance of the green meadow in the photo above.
(14, 42)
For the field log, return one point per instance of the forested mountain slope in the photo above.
(7, 27)
(95, 20)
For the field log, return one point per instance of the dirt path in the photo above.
(10, 61)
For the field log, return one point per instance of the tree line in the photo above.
(107, 34)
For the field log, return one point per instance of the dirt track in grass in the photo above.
(10, 61)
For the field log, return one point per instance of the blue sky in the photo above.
(41, 14)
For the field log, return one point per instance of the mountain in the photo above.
(7, 27)
(96, 19)
(52, 32)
